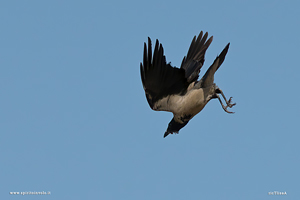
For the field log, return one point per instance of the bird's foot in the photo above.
(229, 103)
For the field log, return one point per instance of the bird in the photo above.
(178, 90)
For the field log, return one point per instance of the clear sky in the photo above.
(74, 120)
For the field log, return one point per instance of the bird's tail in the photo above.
(208, 78)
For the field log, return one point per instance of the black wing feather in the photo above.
(159, 78)
(194, 60)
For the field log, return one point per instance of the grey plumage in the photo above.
(177, 90)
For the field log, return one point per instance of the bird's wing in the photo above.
(194, 60)
(159, 78)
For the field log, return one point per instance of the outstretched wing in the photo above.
(159, 78)
(194, 60)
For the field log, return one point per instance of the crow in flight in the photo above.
(178, 90)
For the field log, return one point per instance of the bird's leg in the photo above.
(228, 103)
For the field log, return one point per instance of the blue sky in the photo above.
(75, 120)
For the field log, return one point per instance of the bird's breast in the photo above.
(189, 104)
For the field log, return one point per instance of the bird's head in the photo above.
(174, 127)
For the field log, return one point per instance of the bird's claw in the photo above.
(229, 104)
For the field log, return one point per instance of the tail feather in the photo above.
(208, 78)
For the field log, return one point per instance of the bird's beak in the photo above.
(166, 134)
